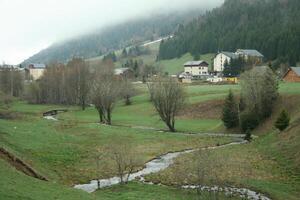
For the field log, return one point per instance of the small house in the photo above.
(292, 75)
(215, 79)
(124, 73)
(196, 69)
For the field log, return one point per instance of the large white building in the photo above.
(248, 55)
(196, 68)
(221, 59)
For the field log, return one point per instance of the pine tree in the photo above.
(282, 121)
(230, 113)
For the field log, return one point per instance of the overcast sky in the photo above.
(27, 26)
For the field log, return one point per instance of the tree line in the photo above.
(11, 81)
(259, 93)
(271, 27)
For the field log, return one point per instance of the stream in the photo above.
(163, 162)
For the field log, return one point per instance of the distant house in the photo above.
(292, 75)
(222, 58)
(125, 73)
(250, 55)
(196, 69)
(185, 77)
(215, 79)
(34, 71)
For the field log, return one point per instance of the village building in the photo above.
(124, 73)
(250, 55)
(292, 75)
(196, 69)
(221, 59)
(34, 71)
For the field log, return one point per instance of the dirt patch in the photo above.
(204, 110)
(290, 103)
(19, 164)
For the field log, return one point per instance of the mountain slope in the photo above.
(114, 37)
(270, 26)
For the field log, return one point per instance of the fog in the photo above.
(27, 26)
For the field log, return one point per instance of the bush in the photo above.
(248, 135)
(283, 121)
(249, 121)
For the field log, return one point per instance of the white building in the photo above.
(196, 68)
(35, 71)
(221, 59)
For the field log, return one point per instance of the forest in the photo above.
(269, 26)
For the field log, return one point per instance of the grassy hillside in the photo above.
(269, 164)
(174, 66)
(64, 151)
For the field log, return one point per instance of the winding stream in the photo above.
(163, 162)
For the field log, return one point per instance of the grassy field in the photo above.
(149, 192)
(174, 66)
(64, 151)
(17, 186)
(269, 164)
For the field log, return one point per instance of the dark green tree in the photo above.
(248, 134)
(230, 114)
(283, 121)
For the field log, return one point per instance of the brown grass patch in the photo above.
(204, 110)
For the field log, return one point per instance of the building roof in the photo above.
(230, 54)
(296, 70)
(249, 52)
(37, 65)
(195, 63)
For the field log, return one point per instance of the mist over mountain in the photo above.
(114, 37)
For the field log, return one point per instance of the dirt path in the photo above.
(19, 164)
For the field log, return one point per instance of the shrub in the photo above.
(249, 121)
(248, 135)
(283, 121)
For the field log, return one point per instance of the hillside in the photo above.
(270, 26)
(114, 37)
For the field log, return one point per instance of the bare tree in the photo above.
(80, 80)
(128, 91)
(124, 157)
(168, 98)
(11, 81)
(106, 90)
(259, 92)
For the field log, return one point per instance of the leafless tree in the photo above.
(168, 98)
(259, 91)
(127, 91)
(11, 81)
(124, 157)
(106, 90)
